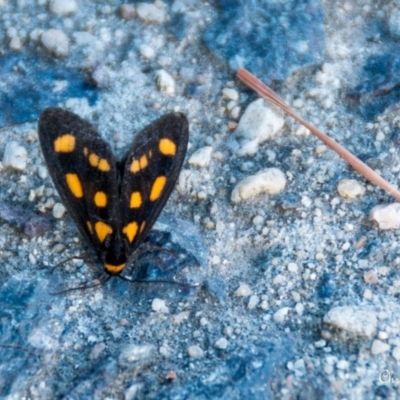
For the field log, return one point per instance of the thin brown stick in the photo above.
(264, 91)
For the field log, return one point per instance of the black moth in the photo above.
(113, 203)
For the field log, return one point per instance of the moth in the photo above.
(113, 203)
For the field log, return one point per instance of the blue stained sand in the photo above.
(27, 87)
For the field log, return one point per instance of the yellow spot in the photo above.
(104, 165)
(136, 200)
(135, 166)
(167, 147)
(114, 268)
(143, 162)
(94, 160)
(64, 144)
(102, 230)
(85, 151)
(100, 199)
(74, 185)
(157, 187)
(142, 225)
(89, 225)
(130, 231)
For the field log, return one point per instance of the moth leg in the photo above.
(97, 282)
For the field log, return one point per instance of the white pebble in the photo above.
(356, 320)
(55, 42)
(270, 180)
(281, 314)
(221, 344)
(63, 7)
(257, 124)
(15, 43)
(350, 188)
(380, 136)
(158, 305)
(230, 94)
(253, 302)
(387, 217)
(165, 82)
(58, 210)
(243, 290)
(396, 353)
(293, 267)
(342, 364)
(278, 280)
(15, 156)
(152, 13)
(195, 351)
(202, 157)
(379, 347)
(258, 220)
(147, 52)
(179, 318)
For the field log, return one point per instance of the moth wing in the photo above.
(81, 164)
(150, 169)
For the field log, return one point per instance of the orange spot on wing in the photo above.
(74, 185)
(130, 231)
(157, 187)
(100, 199)
(143, 162)
(93, 159)
(167, 147)
(102, 230)
(135, 166)
(104, 166)
(136, 200)
(64, 144)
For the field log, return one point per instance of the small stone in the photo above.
(127, 11)
(40, 340)
(258, 220)
(293, 267)
(165, 82)
(342, 364)
(136, 354)
(55, 42)
(253, 302)
(356, 320)
(350, 188)
(133, 391)
(221, 344)
(278, 280)
(379, 347)
(179, 318)
(371, 277)
(202, 157)
(230, 94)
(258, 123)
(147, 52)
(281, 314)
(270, 180)
(96, 351)
(320, 343)
(158, 305)
(243, 290)
(380, 136)
(42, 172)
(151, 13)
(15, 44)
(58, 210)
(63, 7)
(396, 353)
(15, 156)
(367, 294)
(195, 351)
(387, 216)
